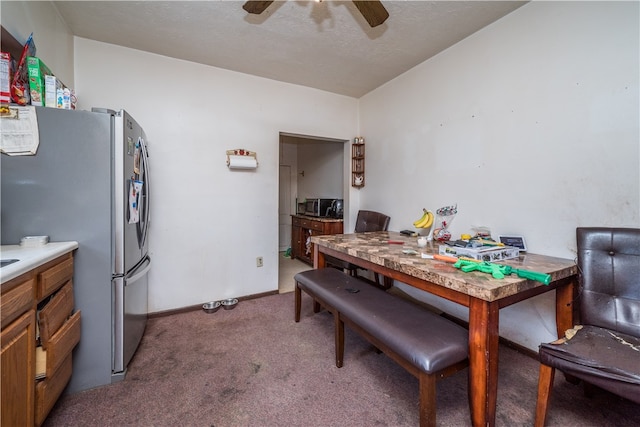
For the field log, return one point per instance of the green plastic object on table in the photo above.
(498, 271)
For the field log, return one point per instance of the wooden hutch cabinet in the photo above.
(302, 227)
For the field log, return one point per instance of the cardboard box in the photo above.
(51, 84)
(483, 253)
(37, 70)
(5, 78)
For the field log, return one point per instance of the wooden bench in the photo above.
(428, 346)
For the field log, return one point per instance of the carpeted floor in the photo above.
(254, 366)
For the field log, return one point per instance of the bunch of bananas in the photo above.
(425, 221)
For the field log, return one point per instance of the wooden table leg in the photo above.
(318, 258)
(483, 361)
(564, 316)
(564, 308)
(298, 302)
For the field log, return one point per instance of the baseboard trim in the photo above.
(197, 307)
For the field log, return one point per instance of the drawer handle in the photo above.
(137, 277)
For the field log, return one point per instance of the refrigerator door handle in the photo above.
(131, 280)
(145, 165)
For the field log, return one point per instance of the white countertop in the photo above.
(31, 257)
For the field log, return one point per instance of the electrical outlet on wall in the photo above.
(259, 262)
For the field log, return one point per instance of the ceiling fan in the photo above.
(373, 11)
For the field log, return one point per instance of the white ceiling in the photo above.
(325, 45)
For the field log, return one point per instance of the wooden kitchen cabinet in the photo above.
(42, 296)
(18, 370)
(303, 226)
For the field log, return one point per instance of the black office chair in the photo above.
(365, 221)
(605, 350)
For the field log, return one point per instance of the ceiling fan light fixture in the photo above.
(256, 7)
(372, 10)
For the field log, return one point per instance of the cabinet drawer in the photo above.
(305, 223)
(317, 226)
(16, 301)
(296, 221)
(55, 313)
(62, 343)
(48, 390)
(54, 277)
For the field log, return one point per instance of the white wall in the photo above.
(530, 126)
(322, 165)
(54, 41)
(208, 223)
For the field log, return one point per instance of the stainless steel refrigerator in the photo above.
(89, 182)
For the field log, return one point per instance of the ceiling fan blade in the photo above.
(256, 7)
(373, 11)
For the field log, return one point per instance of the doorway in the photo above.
(284, 207)
(310, 166)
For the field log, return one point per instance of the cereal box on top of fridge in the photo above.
(37, 71)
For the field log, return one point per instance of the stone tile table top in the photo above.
(375, 247)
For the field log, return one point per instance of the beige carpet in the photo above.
(254, 366)
(287, 268)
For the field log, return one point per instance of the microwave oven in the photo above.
(317, 207)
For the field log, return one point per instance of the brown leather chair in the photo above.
(605, 352)
(365, 221)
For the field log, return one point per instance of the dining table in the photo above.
(397, 257)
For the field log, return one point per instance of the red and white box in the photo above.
(5, 78)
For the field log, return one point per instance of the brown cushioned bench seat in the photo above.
(427, 345)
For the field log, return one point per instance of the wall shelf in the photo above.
(357, 162)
